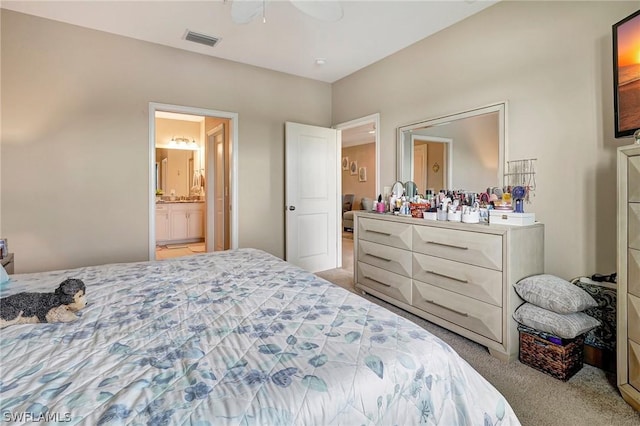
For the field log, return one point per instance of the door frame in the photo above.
(448, 153)
(210, 160)
(233, 138)
(371, 118)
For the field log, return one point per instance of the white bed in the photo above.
(237, 337)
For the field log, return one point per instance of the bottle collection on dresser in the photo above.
(497, 205)
(455, 274)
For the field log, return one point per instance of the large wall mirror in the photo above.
(463, 151)
(174, 171)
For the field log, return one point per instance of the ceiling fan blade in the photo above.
(327, 10)
(244, 11)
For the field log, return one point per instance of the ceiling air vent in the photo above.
(201, 38)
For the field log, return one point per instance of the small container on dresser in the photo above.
(7, 263)
(628, 312)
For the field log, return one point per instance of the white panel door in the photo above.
(420, 166)
(311, 196)
(219, 190)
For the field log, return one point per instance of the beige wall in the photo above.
(179, 177)
(552, 62)
(75, 139)
(167, 128)
(365, 156)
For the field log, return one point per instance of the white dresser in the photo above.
(459, 276)
(628, 327)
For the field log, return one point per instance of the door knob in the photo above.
(292, 208)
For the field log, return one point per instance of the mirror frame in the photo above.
(499, 107)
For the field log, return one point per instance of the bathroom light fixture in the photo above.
(179, 143)
(186, 141)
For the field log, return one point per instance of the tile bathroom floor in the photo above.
(170, 251)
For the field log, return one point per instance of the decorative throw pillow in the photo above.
(555, 294)
(566, 326)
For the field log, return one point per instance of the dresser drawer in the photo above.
(634, 225)
(634, 364)
(478, 283)
(633, 272)
(474, 248)
(386, 282)
(385, 232)
(479, 317)
(633, 176)
(390, 258)
(633, 317)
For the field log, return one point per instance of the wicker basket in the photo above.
(560, 358)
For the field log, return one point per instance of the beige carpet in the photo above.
(588, 398)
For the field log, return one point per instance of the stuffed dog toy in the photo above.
(31, 308)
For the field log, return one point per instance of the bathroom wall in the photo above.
(181, 163)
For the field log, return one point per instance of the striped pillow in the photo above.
(566, 326)
(555, 294)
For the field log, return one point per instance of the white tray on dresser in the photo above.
(457, 275)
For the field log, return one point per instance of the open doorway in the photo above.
(193, 151)
(431, 167)
(359, 173)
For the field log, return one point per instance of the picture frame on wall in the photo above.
(345, 163)
(353, 168)
(626, 75)
(362, 174)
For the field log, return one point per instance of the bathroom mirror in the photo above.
(174, 171)
(397, 189)
(463, 151)
(411, 189)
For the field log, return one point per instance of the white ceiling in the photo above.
(358, 135)
(289, 41)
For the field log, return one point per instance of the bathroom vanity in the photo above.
(179, 222)
(457, 275)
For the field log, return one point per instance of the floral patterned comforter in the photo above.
(237, 337)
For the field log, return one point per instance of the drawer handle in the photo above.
(447, 245)
(378, 257)
(464, 314)
(376, 281)
(386, 234)
(447, 276)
